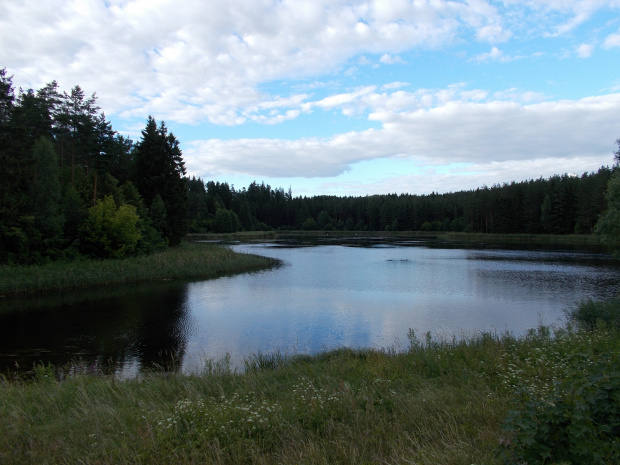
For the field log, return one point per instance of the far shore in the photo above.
(584, 240)
(192, 261)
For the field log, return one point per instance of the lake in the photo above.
(326, 294)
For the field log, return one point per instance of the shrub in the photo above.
(566, 409)
(108, 231)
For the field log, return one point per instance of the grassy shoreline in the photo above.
(188, 261)
(451, 402)
(573, 240)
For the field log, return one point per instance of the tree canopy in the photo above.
(71, 185)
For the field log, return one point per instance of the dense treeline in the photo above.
(559, 205)
(71, 186)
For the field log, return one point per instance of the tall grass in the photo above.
(440, 401)
(592, 313)
(188, 261)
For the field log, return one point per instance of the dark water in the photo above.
(356, 294)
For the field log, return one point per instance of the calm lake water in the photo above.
(323, 296)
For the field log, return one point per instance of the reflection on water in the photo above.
(365, 293)
(125, 332)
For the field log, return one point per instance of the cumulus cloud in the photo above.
(455, 131)
(220, 63)
(164, 57)
(454, 178)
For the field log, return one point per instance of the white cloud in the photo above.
(612, 40)
(453, 178)
(390, 59)
(221, 61)
(585, 50)
(165, 57)
(452, 132)
(493, 55)
(553, 17)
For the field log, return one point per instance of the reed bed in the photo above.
(188, 261)
(439, 401)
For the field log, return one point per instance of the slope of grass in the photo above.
(450, 402)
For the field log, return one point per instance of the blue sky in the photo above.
(342, 97)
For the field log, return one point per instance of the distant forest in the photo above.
(70, 186)
(558, 205)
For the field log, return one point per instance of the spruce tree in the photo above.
(159, 171)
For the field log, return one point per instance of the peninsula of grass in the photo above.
(580, 241)
(188, 261)
(551, 396)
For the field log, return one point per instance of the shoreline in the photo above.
(188, 261)
(575, 240)
(439, 401)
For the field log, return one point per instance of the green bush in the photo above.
(573, 417)
(110, 232)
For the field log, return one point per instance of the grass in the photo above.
(188, 261)
(591, 313)
(440, 401)
(577, 240)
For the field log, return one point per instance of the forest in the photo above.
(71, 186)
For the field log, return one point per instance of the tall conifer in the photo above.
(159, 170)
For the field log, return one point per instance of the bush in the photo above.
(108, 231)
(567, 409)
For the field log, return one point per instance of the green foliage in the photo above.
(545, 214)
(442, 401)
(45, 188)
(591, 313)
(226, 221)
(74, 211)
(309, 224)
(188, 261)
(110, 232)
(608, 225)
(566, 399)
(159, 170)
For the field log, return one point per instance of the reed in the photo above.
(188, 261)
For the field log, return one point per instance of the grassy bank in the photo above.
(572, 240)
(188, 261)
(576, 240)
(486, 399)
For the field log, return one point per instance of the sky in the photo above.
(341, 97)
